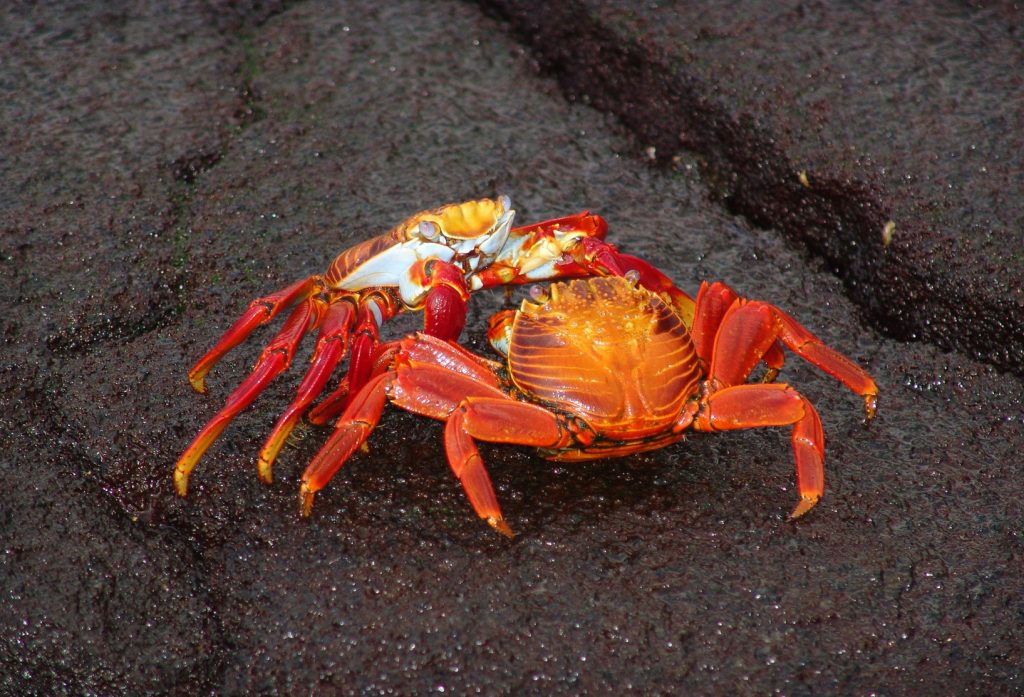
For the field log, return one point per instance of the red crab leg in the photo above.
(425, 350)
(422, 351)
(809, 347)
(754, 406)
(274, 359)
(361, 358)
(428, 390)
(260, 311)
(336, 402)
(330, 349)
(419, 384)
(332, 405)
(713, 300)
(444, 316)
(354, 427)
(747, 332)
(774, 358)
(367, 338)
(495, 420)
(434, 392)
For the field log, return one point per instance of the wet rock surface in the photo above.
(165, 166)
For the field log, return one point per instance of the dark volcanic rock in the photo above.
(166, 164)
(887, 140)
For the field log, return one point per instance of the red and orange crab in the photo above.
(618, 363)
(431, 262)
(596, 368)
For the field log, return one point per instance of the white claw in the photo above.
(495, 240)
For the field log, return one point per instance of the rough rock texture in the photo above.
(164, 164)
(886, 139)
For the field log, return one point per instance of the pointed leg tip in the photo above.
(180, 482)
(305, 500)
(501, 526)
(870, 407)
(265, 470)
(803, 507)
(198, 383)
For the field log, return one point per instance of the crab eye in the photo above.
(633, 276)
(429, 230)
(539, 294)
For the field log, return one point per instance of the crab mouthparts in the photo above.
(495, 240)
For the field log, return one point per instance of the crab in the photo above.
(430, 262)
(595, 368)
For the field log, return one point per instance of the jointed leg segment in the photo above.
(330, 348)
(354, 427)
(756, 406)
(732, 338)
(274, 359)
(447, 383)
(732, 335)
(260, 311)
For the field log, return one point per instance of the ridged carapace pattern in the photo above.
(608, 351)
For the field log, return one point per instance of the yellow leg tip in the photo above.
(181, 482)
(305, 500)
(870, 406)
(806, 504)
(501, 526)
(265, 470)
(198, 383)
